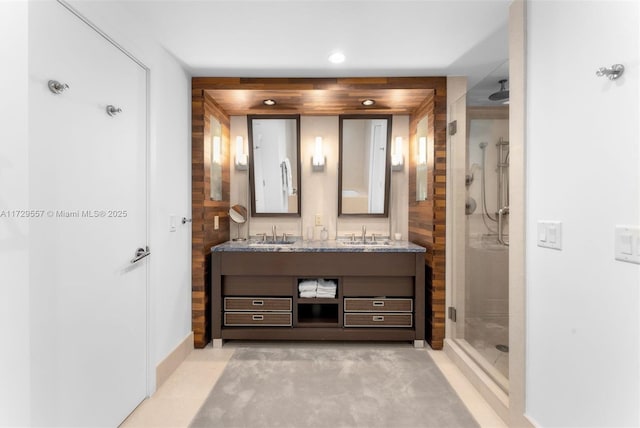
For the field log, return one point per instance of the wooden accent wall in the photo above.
(427, 219)
(203, 209)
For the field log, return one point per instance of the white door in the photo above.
(88, 176)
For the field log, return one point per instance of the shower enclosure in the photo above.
(479, 173)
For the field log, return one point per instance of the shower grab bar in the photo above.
(501, 212)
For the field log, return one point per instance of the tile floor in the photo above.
(177, 401)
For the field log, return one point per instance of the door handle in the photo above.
(141, 253)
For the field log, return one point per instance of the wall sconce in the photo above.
(216, 150)
(241, 156)
(422, 151)
(397, 159)
(318, 159)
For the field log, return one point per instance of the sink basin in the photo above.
(271, 244)
(382, 243)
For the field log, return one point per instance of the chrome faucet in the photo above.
(273, 232)
(364, 233)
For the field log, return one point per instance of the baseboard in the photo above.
(489, 390)
(170, 363)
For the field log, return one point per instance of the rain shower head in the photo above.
(502, 94)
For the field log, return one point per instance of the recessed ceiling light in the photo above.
(269, 102)
(368, 102)
(337, 57)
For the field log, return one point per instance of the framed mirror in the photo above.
(215, 171)
(421, 160)
(365, 164)
(274, 165)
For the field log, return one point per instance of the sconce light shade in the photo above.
(422, 151)
(241, 156)
(318, 159)
(216, 150)
(397, 158)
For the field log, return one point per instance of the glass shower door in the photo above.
(479, 173)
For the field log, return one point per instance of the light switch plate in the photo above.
(627, 244)
(550, 234)
(173, 222)
(216, 222)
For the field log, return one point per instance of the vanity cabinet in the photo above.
(379, 295)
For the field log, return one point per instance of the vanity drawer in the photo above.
(378, 320)
(257, 285)
(356, 286)
(352, 304)
(257, 318)
(257, 304)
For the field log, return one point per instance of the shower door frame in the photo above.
(495, 393)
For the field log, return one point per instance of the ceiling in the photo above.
(293, 38)
(319, 102)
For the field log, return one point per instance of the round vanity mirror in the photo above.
(238, 215)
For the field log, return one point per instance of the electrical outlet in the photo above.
(318, 220)
(216, 222)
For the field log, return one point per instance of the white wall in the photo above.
(14, 250)
(170, 177)
(320, 189)
(583, 329)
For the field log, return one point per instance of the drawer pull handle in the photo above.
(378, 318)
(378, 303)
(258, 317)
(257, 302)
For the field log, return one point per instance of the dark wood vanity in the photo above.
(380, 293)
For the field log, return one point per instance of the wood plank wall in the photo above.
(427, 219)
(204, 209)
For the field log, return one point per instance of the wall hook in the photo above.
(112, 111)
(57, 87)
(612, 73)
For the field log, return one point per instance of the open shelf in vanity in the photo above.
(314, 313)
(378, 294)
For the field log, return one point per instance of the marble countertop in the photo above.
(301, 246)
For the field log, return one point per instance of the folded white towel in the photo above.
(307, 286)
(330, 294)
(308, 294)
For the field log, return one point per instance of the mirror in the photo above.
(238, 215)
(364, 170)
(421, 160)
(215, 170)
(274, 164)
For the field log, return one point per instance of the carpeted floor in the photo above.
(332, 386)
